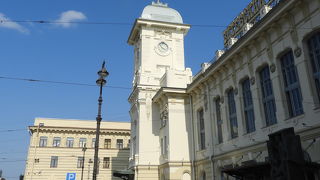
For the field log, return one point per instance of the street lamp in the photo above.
(103, 73)
(84, 153)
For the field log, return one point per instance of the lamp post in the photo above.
(103, 73)
(82, 165)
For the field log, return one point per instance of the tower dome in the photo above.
(161, 12)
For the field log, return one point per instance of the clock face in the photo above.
(162, 49)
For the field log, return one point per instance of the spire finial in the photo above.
(159, 3)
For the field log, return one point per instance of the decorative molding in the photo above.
(236, 91)
(297, 52)
(272, 67)
(253, 80)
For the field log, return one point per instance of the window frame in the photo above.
(314, 61)
(232, 111)
(82, 142)
(54, 161)
(219, 120)
(106, 163)
(107, 144)
(80, 162)
(56, 142)
(201, 129)
(268, 100)
(291, 85)
(248, 106)
(119, 143)
(43, 141)
(69, 142)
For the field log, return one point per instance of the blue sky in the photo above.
(74, 53)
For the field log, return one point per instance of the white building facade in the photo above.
(265, 80)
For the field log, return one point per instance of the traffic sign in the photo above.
(71, 176)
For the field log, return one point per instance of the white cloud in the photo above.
(5, 22)
(66, 18)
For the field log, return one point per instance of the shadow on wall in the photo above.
(119, 162)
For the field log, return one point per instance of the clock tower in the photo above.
(158, 41)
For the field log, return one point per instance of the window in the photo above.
(80, 163)
(56, 142)
(291, 85)
(106, 162)
(134, 146)
(314, 53)
(232, 114)
(54, 162)
(43, 141)
(69, 142)
(161, 146)
(107, 143)
(201, 129)
(219, 120)
(268, 101)
(93, 142)
(248, 106)
(165, 145)
(119, 143)
(82, 142)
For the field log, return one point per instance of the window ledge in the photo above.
(294, 119)
(270, 128)
(248, 135)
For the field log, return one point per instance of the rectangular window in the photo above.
(291, 85)
(54, 162)
(232, 114)
(56, 142)
(201, 128)
(43, 141)
(314, 53)
(268, 101)
(134, 146)
(93, 142)
(161, 146)
(80, 162)
(119, 143)
(248, 106)
(106, 162)
(107, 143)
(165, 145)
(82, 142)
(69, 142)
(219, 120)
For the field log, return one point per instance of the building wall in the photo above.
(39, 161)
(263, 46)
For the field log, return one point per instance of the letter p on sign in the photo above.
(71, 176)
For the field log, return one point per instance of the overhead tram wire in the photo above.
(117, 23)
(58, 82)
(120, 87)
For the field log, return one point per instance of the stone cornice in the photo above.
(56, 129)
(134, 34)
(164, 91)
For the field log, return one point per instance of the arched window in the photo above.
(314, 53)
(268, 100)
(232, 114)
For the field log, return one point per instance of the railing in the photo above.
(252, 14)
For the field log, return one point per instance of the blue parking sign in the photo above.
(71, 176)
